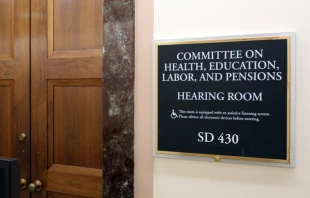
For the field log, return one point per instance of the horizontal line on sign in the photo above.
(221, 40)
(286, 161)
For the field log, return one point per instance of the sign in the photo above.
(226, 99)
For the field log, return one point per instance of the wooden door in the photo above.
(14, 83)
(66, 97)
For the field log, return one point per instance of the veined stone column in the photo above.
(118, 98)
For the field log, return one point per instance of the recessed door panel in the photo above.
(6, 122)
(77, 22)
(75, 124)
(7, 29)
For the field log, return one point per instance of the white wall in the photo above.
(203, 18)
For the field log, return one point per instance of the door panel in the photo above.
(66, 90)
(15, 83)
(76, 22)
(74, 122)
(6, 110)
(7, 29)
(74, 28)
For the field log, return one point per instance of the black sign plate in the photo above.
(225, 99)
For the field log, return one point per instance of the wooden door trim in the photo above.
(74, 180)
(6, 56)
(11, 55)
(50, 25)
(7, 69)
(83, 68)
(76, 54)
(6, 83)
(38, 94)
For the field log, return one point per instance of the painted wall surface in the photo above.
(204, 18)
(144, 26)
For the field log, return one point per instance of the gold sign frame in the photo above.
(289, 161)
